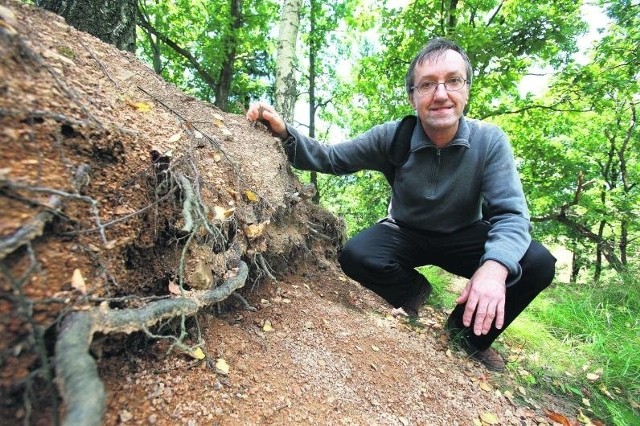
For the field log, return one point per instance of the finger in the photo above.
(252, 112)
(500, 315)
(464, 295)
(488, 319)
(469, 309)
(478, 323)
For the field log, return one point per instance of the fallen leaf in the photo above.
(586, 402)
(220, 213)
(558, 418)
(176, 137)
(222, 367)
(218, 120)
(486, 386)
(251, 196)
(217, 157)
(593, 377)
(197, 353)
(267, 326)
(583, 419)
(489, 418)
(509, 395)
(77, 281)
(122, 210)
(140, 106)
(255, 230)
(375, 348)
(197, 134)
(226, 132)
(174, 288)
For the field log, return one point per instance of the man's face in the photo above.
(440, 111)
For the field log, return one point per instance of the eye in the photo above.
(427, 85)
(454, 80)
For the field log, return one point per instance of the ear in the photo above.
(412, 101)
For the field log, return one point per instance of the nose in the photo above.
(440, 92)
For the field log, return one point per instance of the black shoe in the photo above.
(490, 358)
(412, 306)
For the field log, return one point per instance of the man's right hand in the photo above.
(268, 116)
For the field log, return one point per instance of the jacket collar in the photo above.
(420, 139)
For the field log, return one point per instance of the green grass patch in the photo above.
(583, 342)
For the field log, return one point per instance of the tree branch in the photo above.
(208, 79)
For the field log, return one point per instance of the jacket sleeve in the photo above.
(366, 151)
(509, 236)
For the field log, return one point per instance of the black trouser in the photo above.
(383, 258)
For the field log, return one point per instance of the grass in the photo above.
(579, 342)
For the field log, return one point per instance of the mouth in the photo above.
(439, 109)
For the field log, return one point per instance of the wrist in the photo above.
(496, 268)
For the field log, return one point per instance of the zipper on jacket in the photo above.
(434, 175)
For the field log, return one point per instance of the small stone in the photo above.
(125, 416)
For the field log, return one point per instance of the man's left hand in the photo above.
(484, 295)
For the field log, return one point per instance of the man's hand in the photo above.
(269, 117)
(485, 295)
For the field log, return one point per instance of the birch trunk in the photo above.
(285, 94)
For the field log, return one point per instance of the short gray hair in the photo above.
(435, 49)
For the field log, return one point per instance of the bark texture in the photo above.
(285, 97)
(113, 22)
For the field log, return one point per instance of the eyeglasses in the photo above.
(451, 85)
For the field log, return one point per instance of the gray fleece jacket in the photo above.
(438, 190)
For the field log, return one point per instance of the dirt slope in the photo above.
(107, 173)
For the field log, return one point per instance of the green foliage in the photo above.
(205, 30)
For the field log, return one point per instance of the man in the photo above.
(454, 164)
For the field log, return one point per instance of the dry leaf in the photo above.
(486, 386)
(218, 120)
(255, 230)
(176, 137)
(375, 348)
(121, 210)
(558, 418)
(174, 288)
(217, 157)
(222, 367)
(197, 134)
(593, 376)
(77, 281)
(220, 213)
(586, 402)
(197, 353)
(140, 106)
(267, 326)
(226, 133)
(489, 418)
(583, 419)
(251, 196)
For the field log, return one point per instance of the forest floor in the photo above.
(316, 349)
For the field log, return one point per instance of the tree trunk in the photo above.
(223, 87)
(313, 52)
(285, 85)
(113, 22)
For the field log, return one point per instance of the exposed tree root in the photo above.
(77, 372)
